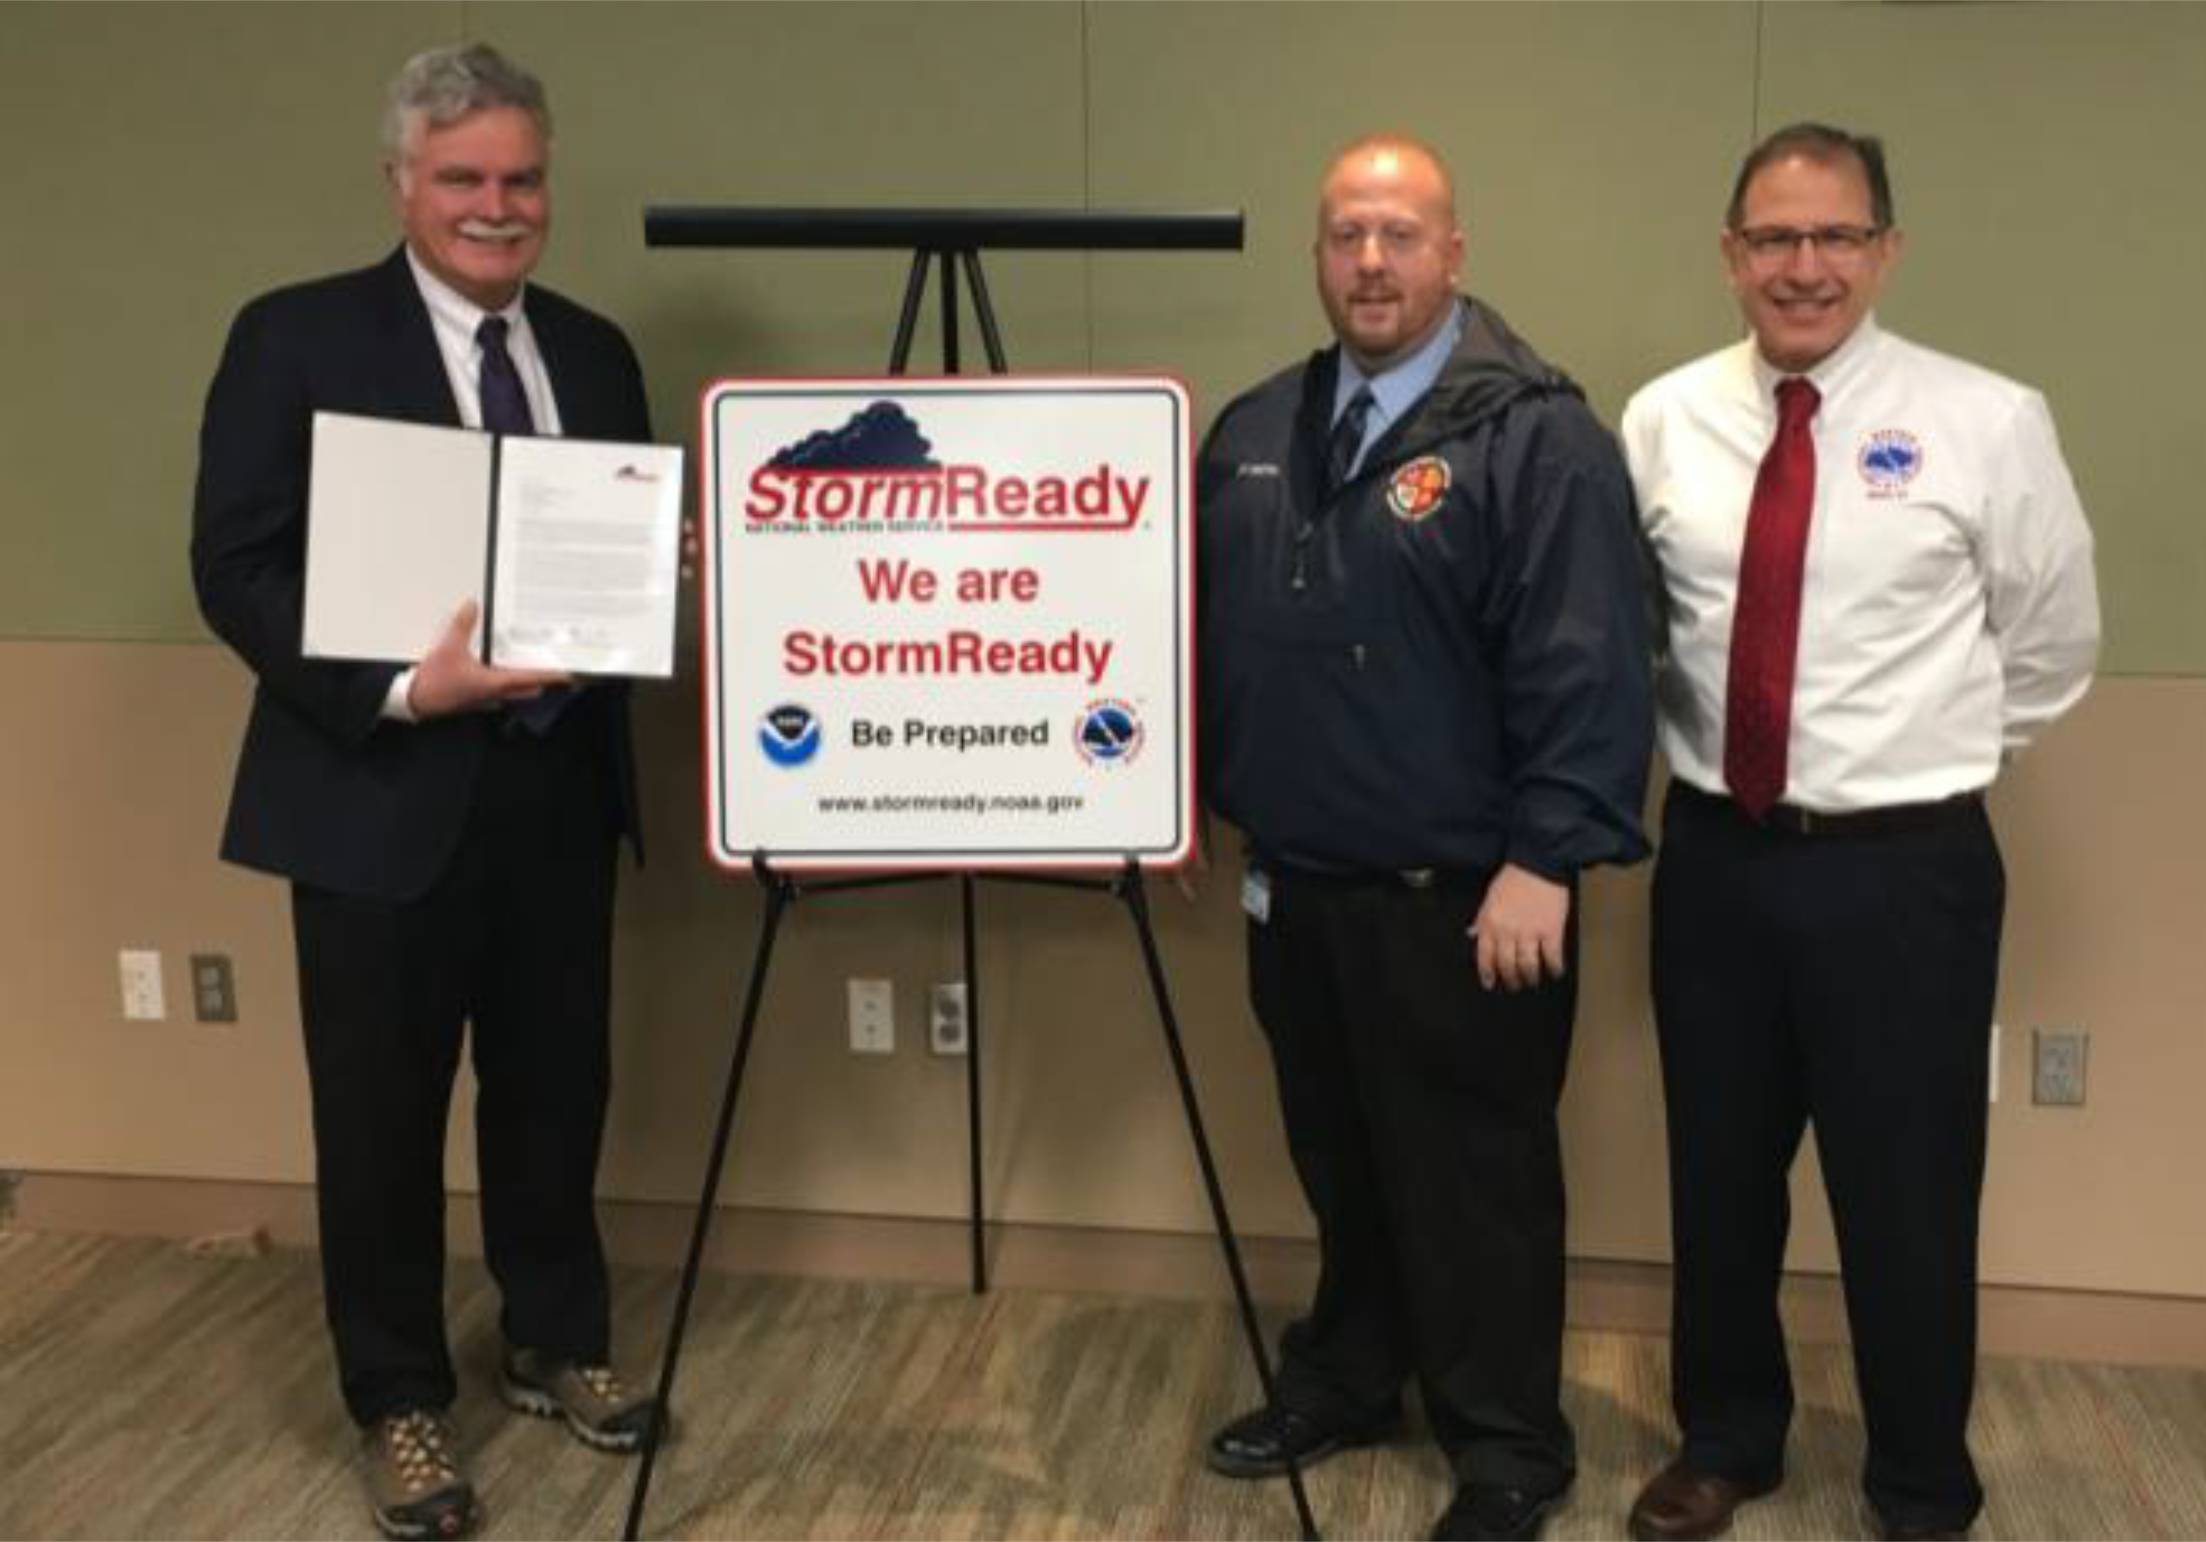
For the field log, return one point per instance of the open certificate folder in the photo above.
(571, 546)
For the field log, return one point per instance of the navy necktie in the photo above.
(1346, 439)
(505, 404)
(506, 411)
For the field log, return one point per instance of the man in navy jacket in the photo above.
(1425, 702)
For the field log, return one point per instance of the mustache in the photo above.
(499, 230)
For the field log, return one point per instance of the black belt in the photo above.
(1793, 820)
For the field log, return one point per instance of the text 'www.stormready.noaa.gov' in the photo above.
(976, 803)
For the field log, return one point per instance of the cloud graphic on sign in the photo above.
(883, 435)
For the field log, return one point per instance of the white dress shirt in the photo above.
(455, 319)
(1948, 609)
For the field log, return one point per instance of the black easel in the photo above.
(954, 238)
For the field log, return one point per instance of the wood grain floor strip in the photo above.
(149, 1392)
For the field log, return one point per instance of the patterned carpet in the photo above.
(149, 1392)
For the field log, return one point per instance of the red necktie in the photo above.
(1765, 624)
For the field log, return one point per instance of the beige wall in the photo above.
(110, 827)
(163, 162)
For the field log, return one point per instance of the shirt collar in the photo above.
(450, 308)
(1396, 388)
(1831, 375)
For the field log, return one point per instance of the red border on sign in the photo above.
(1188, 848)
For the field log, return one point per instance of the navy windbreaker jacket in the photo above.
(1445, 664)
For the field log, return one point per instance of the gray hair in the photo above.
(443, 85)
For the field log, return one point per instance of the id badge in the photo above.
(1256, 895)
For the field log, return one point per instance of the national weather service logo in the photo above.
(1889, 460)
(1416, 489)
(789, 734)
(1107, 733)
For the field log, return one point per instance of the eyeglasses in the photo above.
(1772, 244)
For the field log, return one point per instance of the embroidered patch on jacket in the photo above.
(1888, 461)
(1416, 489)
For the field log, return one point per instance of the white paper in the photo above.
(399, 530)
(398, 520)
(589, 557)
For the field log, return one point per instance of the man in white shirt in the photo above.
(449, 830)
(1877, 584)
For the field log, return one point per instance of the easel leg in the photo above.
(1130, 890)
(779, 891)
(985, 309)
(972, 1090)
(915, 285)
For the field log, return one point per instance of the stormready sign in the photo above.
(948, 623)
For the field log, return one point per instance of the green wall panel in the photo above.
(2045, 163)
(1588, 141)
(963, 105)
(233, 148)
(165, 162)
(159, 164)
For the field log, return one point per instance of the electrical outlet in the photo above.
(141, 974)
(213, 988)
(872, 1017)
(2060, 1058)
(946, 1023)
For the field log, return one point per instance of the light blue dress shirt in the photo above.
(1394, 391)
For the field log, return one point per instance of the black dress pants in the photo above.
(1845, 979)
(1420, 1113)
(515, 940)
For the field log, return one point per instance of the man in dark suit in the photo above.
(449, 829)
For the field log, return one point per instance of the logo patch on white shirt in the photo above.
(1888, 461)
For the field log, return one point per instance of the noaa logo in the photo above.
(789, 734)
(1416, 489)
(1888, 461)
(1107, 733)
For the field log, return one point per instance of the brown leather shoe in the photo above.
(1681, 1504)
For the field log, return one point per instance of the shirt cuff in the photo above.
(397, 705)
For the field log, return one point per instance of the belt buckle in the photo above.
(1416, 877)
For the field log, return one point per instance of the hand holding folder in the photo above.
(450, 678)
(568, 551)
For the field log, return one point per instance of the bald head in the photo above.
(1397, 156)
(1389, 252)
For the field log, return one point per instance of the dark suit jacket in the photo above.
(327, 792)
